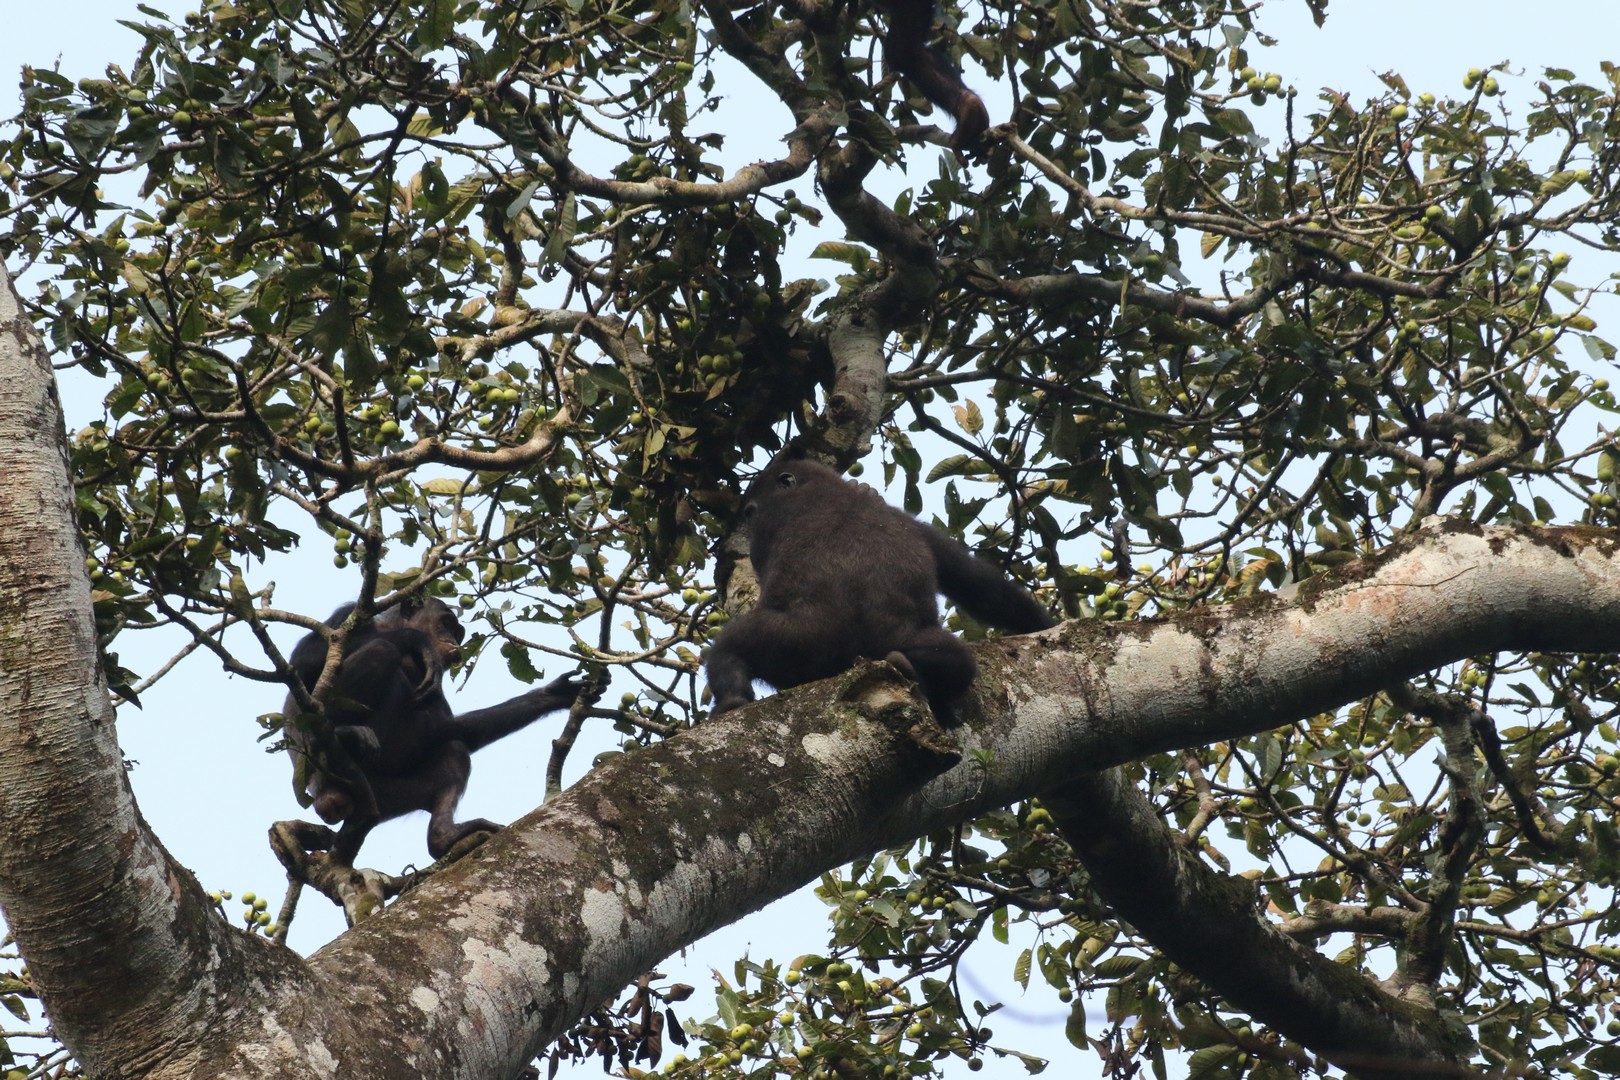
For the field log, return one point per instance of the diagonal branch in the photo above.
(472, 972)
(1209, 923)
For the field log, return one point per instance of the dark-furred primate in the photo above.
(844, 575)
(907, 48)
(388, 711)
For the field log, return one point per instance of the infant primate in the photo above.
(844, 575)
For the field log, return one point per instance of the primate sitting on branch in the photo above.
(388, 713)
(843, 575)
(907, 48)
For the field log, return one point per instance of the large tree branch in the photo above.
(651, 851)
(114, 931)
(1431, 936)
(474, 971)
(1209, 923)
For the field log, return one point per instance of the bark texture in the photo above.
(122, 945)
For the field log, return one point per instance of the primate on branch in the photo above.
(388, 712)
(907, 48)
(843, 575)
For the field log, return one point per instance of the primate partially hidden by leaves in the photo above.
(388, 712)
(907, 48)
(844, 575)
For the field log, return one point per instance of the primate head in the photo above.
(786, 476)
(788, 488)
(434, 618)
(429, 653)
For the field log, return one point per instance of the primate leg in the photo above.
(350, 836)
(438, 790)
(440, 841)
(731, 680)
(911, 26)
(784, 649)
(945, 667)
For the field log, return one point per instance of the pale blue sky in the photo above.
(212, 804)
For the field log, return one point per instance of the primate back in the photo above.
(835, 552)
(842, 576)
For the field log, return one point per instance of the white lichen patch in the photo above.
(485, 914)
(624, 883)
(511, 952)
(823, 749)
(602, 914)
(425, 999)
(279, 1047)
(549, 845)
(508, 964)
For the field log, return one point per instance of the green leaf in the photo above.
(332, 330)
(955, 465)
(562, 232)
(1268, 755)
(854, 255)
(521, 203)
(1211, 1062)
(311, 132)
(1604, 1060)
(1558, 183)
(1074, 1029)
(1117, 967)
(437, 21)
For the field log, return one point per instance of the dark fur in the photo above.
(843, 575)
(907, 48)
(388, 711)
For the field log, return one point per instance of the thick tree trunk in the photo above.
(123, 948)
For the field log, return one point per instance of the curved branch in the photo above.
(856, 333)
(472, 972)
(1209, 923)
(653, 850)
(803, 143)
